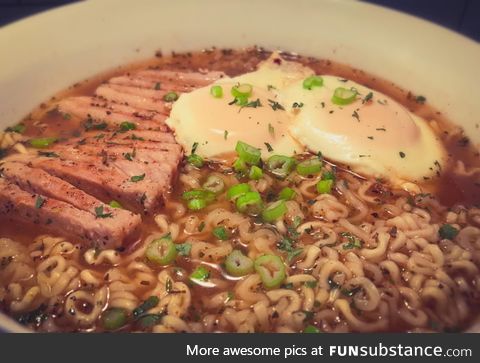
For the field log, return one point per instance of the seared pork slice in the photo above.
(146, 103)
(146, 89)
(40, 182)
(151, 84)
(135, 138)
(105, 230)
(191, 79)
(138, 186)
(94, 109)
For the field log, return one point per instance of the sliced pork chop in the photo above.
(145, 89)
(40, 182)
(106, 231)
(94, 110)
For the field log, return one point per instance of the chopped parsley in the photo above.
(225, 134)
(130, 156)
(420, 99)
(99, 213)
(183, 249)
(269, 147)
(311, 284)
(271, 129)
(137, 178)
(39, 202)
(275, 105)
(135, 137)
(353, 241)
(127, 126)
(367, 98)
(288, 245)
(48, 154)
(221, 233)
(66, 116)
(253, 104)
(158, 85)
(194, 147)
(297, 105)
(201, 226)
(356, 115)
(447, 231)
(90, 124)
(19, 128)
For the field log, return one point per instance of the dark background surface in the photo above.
(460, 15)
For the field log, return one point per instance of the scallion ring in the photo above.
(214, 184)
(237, 190)
(343, 96)
(216, 91)
(280, 165)
(249, 154)
(309, 167)
(242, 90)
(274, 211)
(249, 203)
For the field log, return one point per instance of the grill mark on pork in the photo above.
(19, 205)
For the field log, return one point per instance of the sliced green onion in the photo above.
(237, 264)
(237, 190)
(312, 81)
(287, 193)
(196, 204)
(250, 203)
(208, 195)
(201, 273)
(115, 204)
(113, 319)
(149, 320)
(240, 166)
(311, 329)
(18, 128)
(249, 154)
(195, 160)
(344, 96)
(274, 211)
(148, 304)
(216, 91)
(170, 96)
(214, 184)
(43, 142)
(242, 90)
(271, 270)
(221, 233)
(309, 167)
(161, 251)
(280, 165)
(328, 175)
(256, 173)
(325, 186)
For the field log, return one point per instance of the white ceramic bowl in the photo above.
(48, 52)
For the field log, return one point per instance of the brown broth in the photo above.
(450, 188)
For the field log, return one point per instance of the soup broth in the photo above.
(367, 256)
